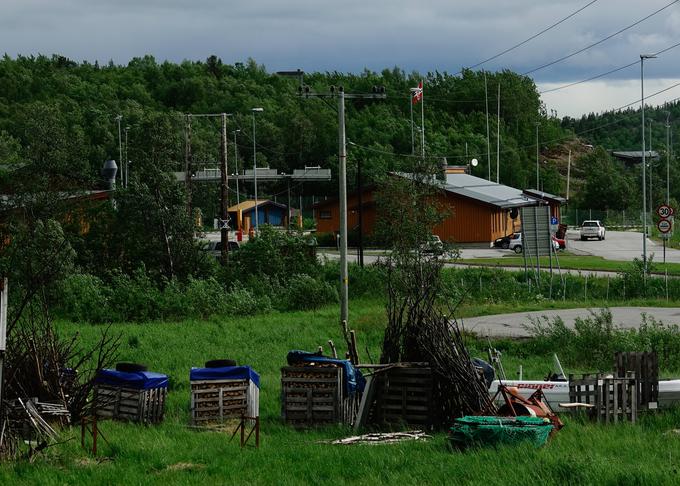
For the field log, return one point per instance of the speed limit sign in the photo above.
(664, 211)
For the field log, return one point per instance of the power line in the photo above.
(533, 36)
(607, 73)
(563, 58)
(483, 154)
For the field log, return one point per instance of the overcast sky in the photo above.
(443, 35)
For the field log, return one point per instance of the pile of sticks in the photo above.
(419, 331)
(382, 438)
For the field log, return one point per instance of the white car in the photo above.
(592, 228)
(516, 243)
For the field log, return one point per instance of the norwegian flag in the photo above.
(417, 93)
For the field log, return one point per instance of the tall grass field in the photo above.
(173, 453)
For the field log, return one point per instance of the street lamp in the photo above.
(253, 111)
(127, 162)
(238, 195)
(644, 161)
(120, 149)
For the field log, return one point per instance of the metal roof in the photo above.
(635, 154)
(544, 195)
(487, 192)
(250, 204)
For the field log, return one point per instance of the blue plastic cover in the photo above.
(225, 373)
(354, 380)
(141, 380)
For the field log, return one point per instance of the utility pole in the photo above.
(189, 170)
(257, 221)
(127, 168)
(238, 195)
(342, 176)
(360, 189)
(644, 165)
(224, 216)
(568, 174)
(538, 124)
(651, 169)
(668, 158)
(378, 93)
(3, 341)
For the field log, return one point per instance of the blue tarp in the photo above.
(141, 380)
(225, 373)
(354, 380)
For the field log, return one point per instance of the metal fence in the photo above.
(622, 219)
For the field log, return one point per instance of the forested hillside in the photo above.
(63, 113)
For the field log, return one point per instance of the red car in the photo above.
(561, 242)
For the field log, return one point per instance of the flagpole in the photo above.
(410, 102)
(498, 138)
(488, 144)
(422, 119)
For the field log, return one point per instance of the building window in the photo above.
(325, 214)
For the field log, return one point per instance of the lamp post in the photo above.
(238, 195)
(119, 118)
(253, 111)
(644, 161)
(127, 168)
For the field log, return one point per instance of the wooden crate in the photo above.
(130, 404)
(219, 400)
(403, 395)
(646, 369)
(315, 395)
(614, 398)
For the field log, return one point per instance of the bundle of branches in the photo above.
(39, 364)
(417, 329)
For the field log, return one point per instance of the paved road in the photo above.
(620, 245)
(512, 325)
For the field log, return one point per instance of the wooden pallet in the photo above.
(315, 395)
(130, 404)
(404, 395)
(646, 369)
(219, 400)
(614, 399)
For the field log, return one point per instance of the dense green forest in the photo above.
(71, 107)
(611, 184)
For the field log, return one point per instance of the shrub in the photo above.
(241, 302)
(84, 297)
(304, 292)
(134, 297)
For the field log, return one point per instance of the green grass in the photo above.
(569, 262)
(171, 453)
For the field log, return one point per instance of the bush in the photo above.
(304, 292)
(83, 297)
(134, 297)
(242, 302)
(595, 339)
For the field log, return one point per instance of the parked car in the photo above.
(516, 243)
(503, 242)
(592, 229)
(433, 245)
(214, 248)
(561, 242)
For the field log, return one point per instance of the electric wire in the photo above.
(589, 46)
(532, 37)
(620, 68)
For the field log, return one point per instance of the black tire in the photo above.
(583, 238)
(130, 367)
(505, 245)
(220, 363)
(518, 249)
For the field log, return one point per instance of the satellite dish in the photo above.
(474, 162)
